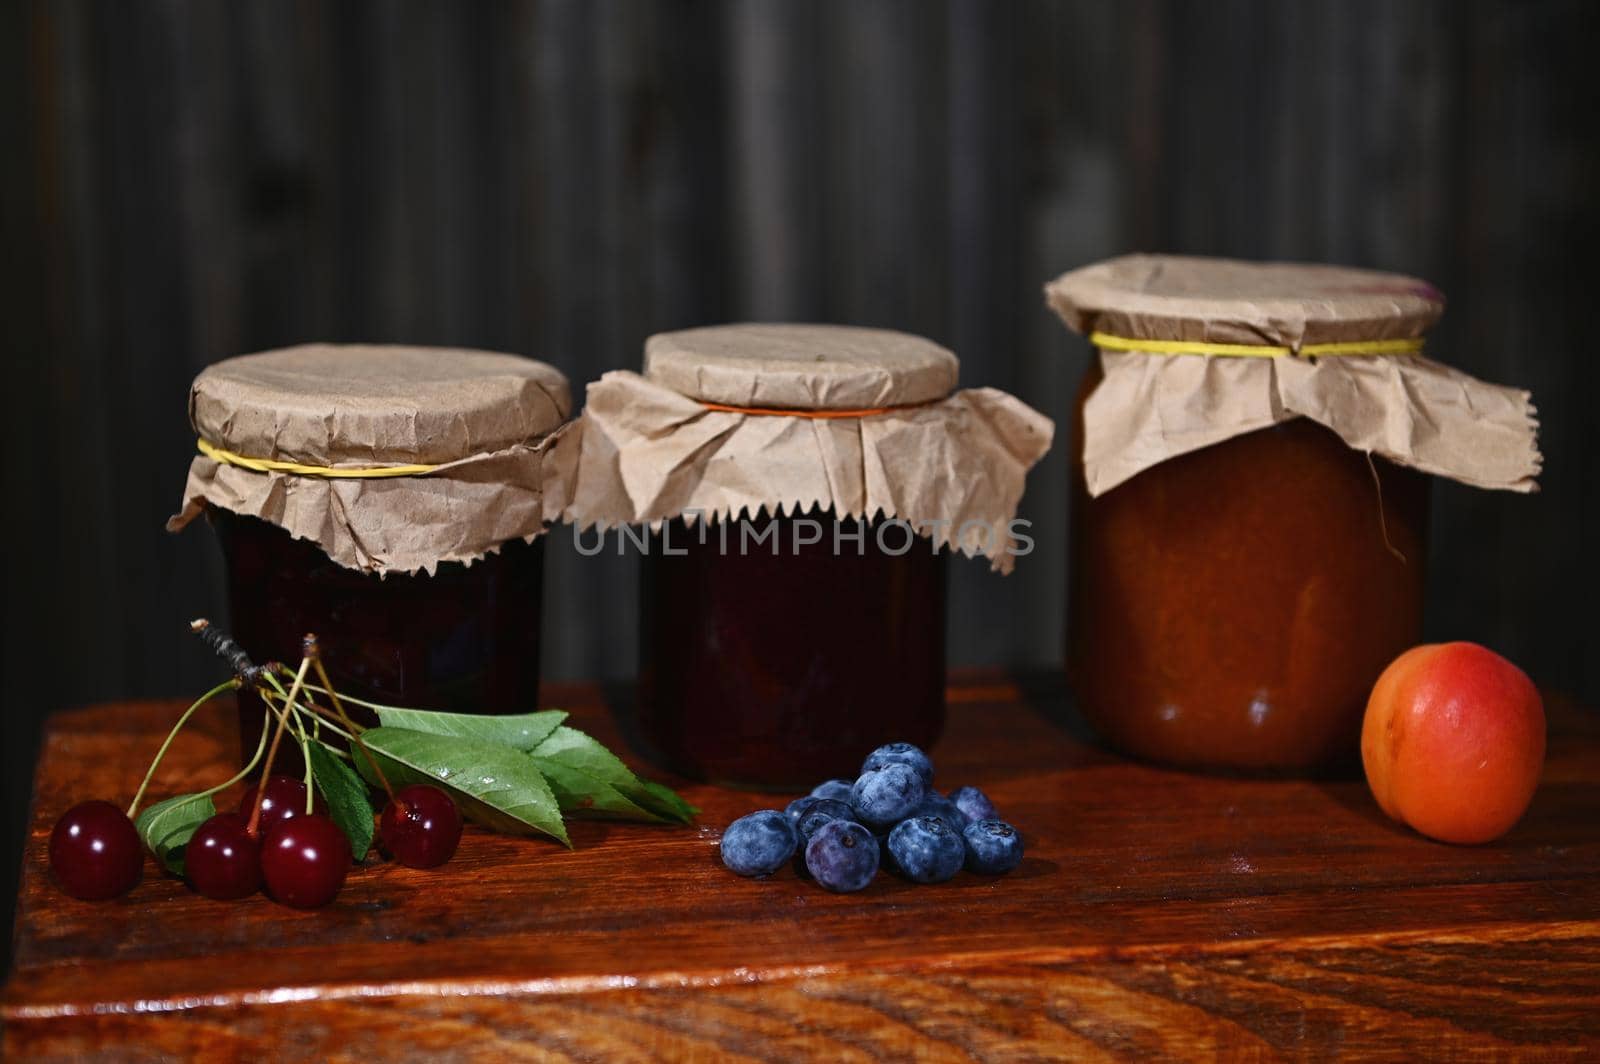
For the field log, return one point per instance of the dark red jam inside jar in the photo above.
(778, 670)
(465, 639)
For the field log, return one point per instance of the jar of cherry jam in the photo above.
(803, 487)
(1250, 504)
(389, 500)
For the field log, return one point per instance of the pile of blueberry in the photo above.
(843, 830)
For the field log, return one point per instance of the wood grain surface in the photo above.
(1157, 914)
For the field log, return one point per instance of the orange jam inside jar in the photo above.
(1251, 450)
(389, 500)
(1231, 608)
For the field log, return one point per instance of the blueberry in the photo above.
(993, 847)
(820, 812)
(926, 849)
(758, 844)
(974, 804)
(937, 805)
(842, 856)
(797, 808)
(887, 795)
(900, 754)
(838, 790)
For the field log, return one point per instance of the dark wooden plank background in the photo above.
(183, 181)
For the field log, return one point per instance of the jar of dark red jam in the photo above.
(805, 484)
(389, 500)
(781, 665)
(1232, 607)
(1248, 515)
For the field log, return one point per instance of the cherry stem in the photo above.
(348, 698)
(294, 709)
(320, 715)
(272, 752)
(255, 759)
(228, 685)
(355, 734)
(229, 651)
(308, 645)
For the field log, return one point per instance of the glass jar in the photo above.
(780, 666)
(777, 651)
(390, 500)
(1231, 608)
(464, 639)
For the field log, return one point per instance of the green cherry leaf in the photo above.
(166, 827)
(346, 796)
(612, 790)
(580, 794)
(521, 731)
(664, 802)
(496, 786)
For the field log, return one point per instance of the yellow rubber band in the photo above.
(1410, 346)
(1200, 347)
(269, 465)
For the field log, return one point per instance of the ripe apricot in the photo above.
(1453, 741)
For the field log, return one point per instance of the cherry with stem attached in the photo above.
(280, 798)
(223, 859)
(254, 827)
(304, 858)
(304, 861)
(95, 851)
(420, 826)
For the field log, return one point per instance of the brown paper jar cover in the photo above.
(803, 367)
(953, 462)
(1409, 409)
(1182, 297)
(484, 419)
(1248, 533)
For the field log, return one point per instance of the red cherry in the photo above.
(95, 851)
(304, 860)
(223, 860)
(420, 826)
(286, 797)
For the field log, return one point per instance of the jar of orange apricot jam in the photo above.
(1231, 607)
(1248, 530)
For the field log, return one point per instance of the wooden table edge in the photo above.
(1464, 934)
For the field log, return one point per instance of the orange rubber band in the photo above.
(820, 415)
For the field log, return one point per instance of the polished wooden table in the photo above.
(1157, 914)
